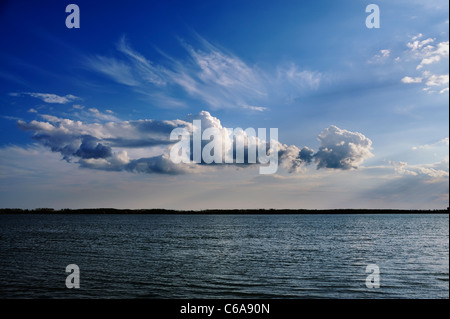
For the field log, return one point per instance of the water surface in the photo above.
(224, 256)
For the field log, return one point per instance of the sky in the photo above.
(86, 113)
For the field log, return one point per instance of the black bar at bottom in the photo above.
(223, 308)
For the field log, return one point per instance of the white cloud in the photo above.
(101, 116)
(385, 53)
(301, 79)
(226, 70)
(13, 118)
(401, 168)
(255, 108)
(431, 80)
(208, 74)
(442, 142)
(417, 36)
(104, 146)
(430, 60)
(429, 54)
(408, 79)
(420, 45)
(143, 67)
(437, 80)
(432, 171)
(111, 146)
(433, 54)
(293, 159)
(49, 98)
(116, 69)
(342, 149)
(380, 57)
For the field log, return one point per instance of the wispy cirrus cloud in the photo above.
(207, 74)
(298, 79)
(108, 116)
(440, 143)
(118, 70)
(143, 68)
(49, 97)
(255, 108)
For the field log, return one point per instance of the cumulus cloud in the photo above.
(91, 148)
(437, 80)
(293, 159)
(230, 138)
(60, 138)
(159, 164)
(432, 171)
(380, 57)
(408, 79)
(142, 146)
(401, 168)
(432, 54)
(418, 45)
(102, 146)
(342, 149)
(429, 54)
(49, 98)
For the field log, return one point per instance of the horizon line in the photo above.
(250, 211)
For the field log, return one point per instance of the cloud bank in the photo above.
(143, 146)
(104, 146)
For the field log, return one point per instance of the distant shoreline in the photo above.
(113, 211)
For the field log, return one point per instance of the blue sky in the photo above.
(85, 114)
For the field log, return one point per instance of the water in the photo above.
(224, 256)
